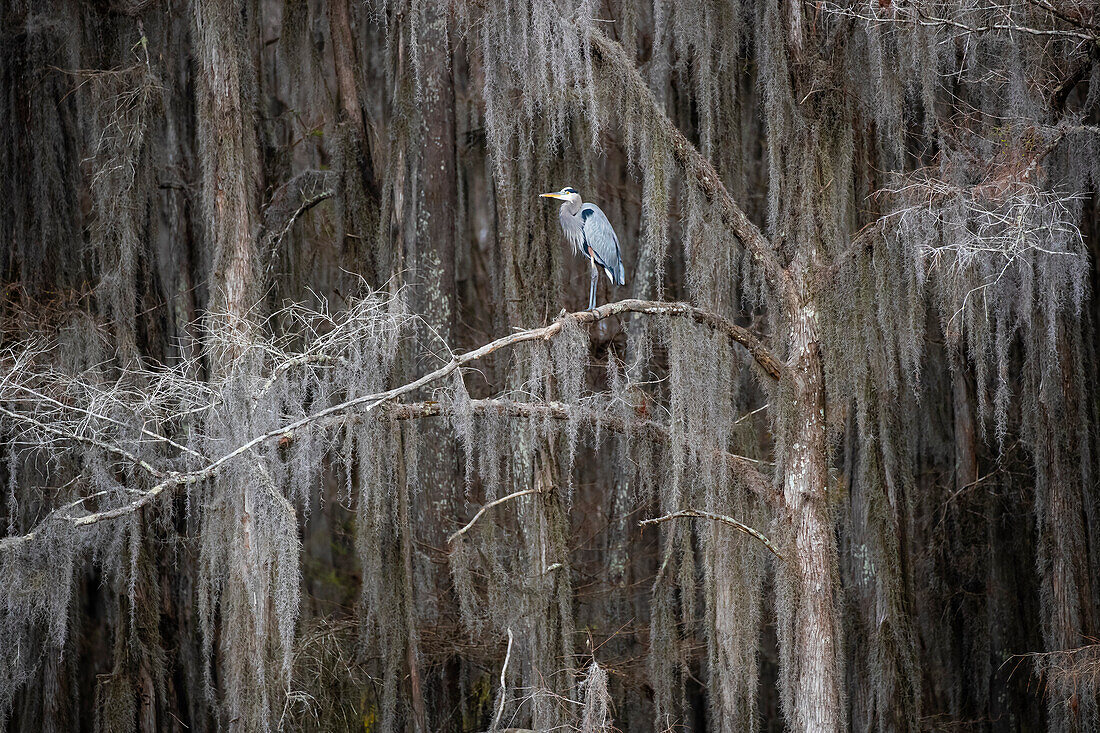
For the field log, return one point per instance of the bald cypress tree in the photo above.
(301, 427)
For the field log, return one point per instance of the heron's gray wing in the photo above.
(600, 237)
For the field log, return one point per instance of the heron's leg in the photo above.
(592, 290)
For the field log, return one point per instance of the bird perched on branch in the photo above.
(588, 230)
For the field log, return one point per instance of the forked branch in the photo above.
(365, 403)
(294, 198)
(695, 165)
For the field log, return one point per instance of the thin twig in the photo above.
(290, 201)
(102, 445)
(739, 526)
(301, 360)
(503, 684)
(145, 431)
(930, 21)
(489, 506)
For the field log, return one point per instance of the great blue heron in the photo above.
(589, 231)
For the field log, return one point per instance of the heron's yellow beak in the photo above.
(552, 196)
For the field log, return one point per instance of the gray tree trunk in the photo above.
(808, 615)
(230, 190)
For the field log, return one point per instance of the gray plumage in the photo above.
(588, 230)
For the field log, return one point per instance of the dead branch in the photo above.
(95, 415)
(294, 198)
(503, 684)
(487, 507)
(95, 442)
(739, 526)
(918, 17)
(366, 403)
(696, 167)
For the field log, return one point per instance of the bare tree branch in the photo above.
(762, 354)
(916, 16)
(294, 198)
(696, 166)
(487, 507)
(95, 442)
(1013, 192)
(88, 413)
(1075, 21)
(368, 402)
(503, 684)
(739, 526)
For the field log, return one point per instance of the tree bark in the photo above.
(433, 255)
(343, 58)
(966, 432)
(416, 691)
(230, 166)
(811, 642)
(1068, 618)
(360, 197)
(229, 160)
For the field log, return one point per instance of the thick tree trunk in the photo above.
(966, 431)
(432, 257)
(343, 59)
(1068, 618)
(416, 691)
(230, 192)
(433, 248)
(230, 167)
(360, 196)
(811, 638)
(438, 200)
(967, 514)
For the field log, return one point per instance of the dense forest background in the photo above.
(302, 426)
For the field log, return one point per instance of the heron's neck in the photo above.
(571, 208)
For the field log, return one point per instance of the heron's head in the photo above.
(568, 194)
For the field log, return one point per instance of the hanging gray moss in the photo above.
(925, 177)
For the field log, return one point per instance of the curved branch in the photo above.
(370, 401)
(739, 526)
(503, 684)
(752, 343)
(487, 507)
(695, 165)
(292, 199)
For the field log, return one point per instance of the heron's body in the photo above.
(588, 230)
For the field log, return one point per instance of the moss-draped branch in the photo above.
(169, 480)
(699, 171)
